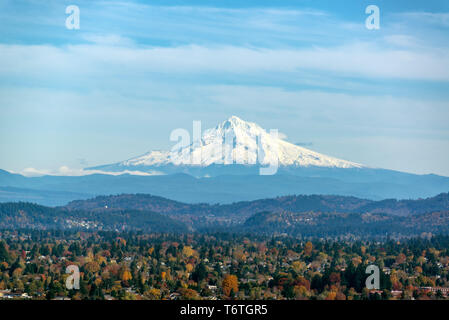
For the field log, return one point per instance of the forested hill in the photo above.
(312, 224)
(23, 215)
(302, 203)
(248, 217)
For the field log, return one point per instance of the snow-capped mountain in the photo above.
(233, 142)
(223, 165)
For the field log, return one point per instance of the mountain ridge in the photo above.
(373, 184)
(336, 222)
(293, 203)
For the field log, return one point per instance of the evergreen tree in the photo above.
(4, 254)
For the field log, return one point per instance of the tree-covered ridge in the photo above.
(303, 223)
(129, 265)
(335, 225)
(294, 203)
(28, 215)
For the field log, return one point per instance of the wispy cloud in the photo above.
(358, 59)
(66, 171)
(433, 18)
(109, 40)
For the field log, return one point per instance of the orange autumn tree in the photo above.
(331, 295)
(230, 283)
(126, 274)
(189, 267)
(308, 249)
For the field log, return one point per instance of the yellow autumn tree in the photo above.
(189, 267)
(126, 275)
(299, 266)
(230, 283)
(187, 251)
(153, 294)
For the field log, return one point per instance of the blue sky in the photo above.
(135, 71)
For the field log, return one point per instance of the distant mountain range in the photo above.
(223, 166)
(317, 215)
(374, 184)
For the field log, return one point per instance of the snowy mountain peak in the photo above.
(236, 122)
(236, 141)
(237, 127)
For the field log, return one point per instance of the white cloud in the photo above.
(441, 18)
(109, 40)
(359, 59)
(66, 171)
(402, 40)
(32, 172)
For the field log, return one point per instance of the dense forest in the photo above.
(137, 265)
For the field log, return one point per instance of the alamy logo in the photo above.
(73, 20)
(373, 281)
(373, 20)
(73, 280)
